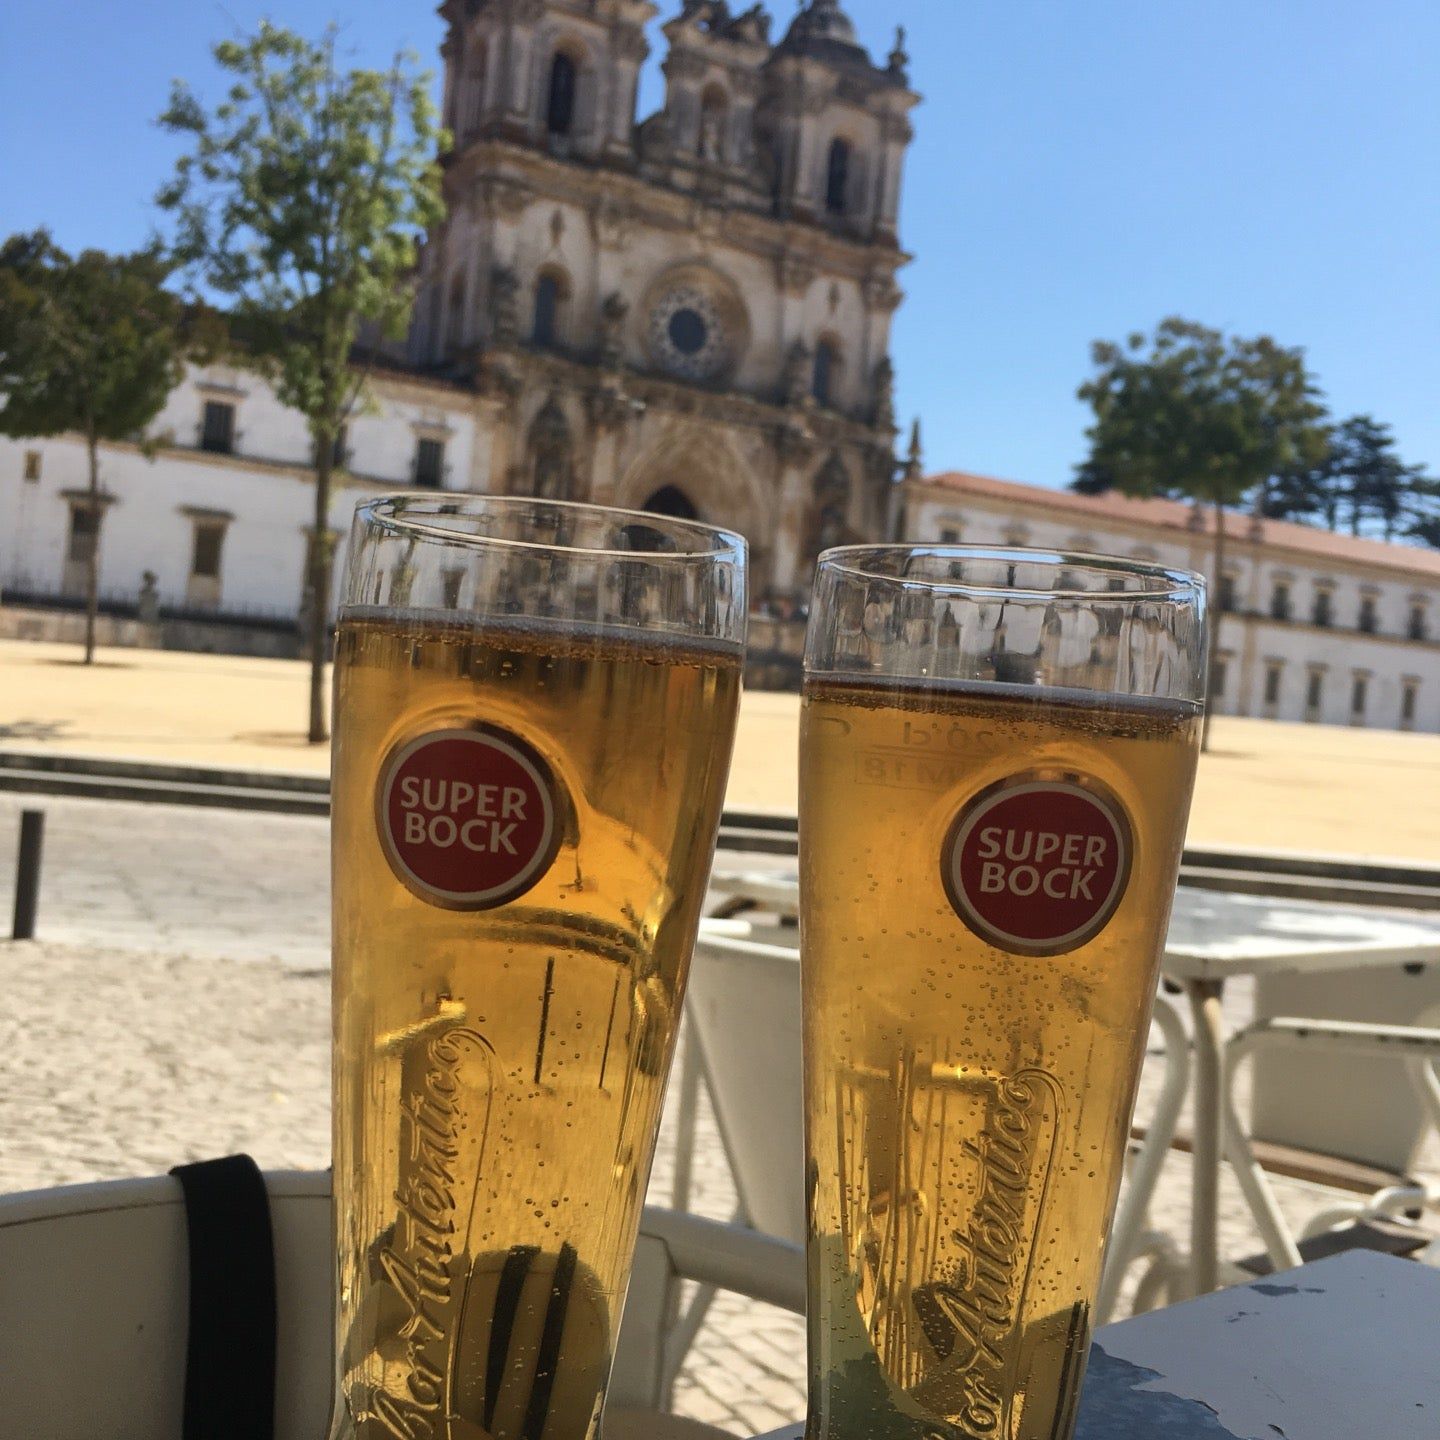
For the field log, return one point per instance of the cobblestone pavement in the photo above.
(176, 1006)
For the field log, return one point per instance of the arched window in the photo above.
(549, 296)
(837, 177)
(560, 112)
(710, 143)
(827, 362)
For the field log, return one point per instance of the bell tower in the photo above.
(836, 126)
(560, 75)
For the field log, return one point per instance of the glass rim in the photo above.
(396, 514)
(1166, 582)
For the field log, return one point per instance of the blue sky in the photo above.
(1080, 170)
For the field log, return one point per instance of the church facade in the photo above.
(689, 314)
(692, 314)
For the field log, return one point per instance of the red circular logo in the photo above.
(1037, 863)
(467, 817)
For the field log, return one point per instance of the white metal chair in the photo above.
(1412, 1050)
(743, 1012)
(93, 1308)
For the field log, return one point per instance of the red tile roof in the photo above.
(1180, 515)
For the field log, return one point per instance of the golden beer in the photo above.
(977, 992)
(510, 952)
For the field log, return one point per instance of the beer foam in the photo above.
(872, 692)
(548, 634)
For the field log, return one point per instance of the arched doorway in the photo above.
(671, 500)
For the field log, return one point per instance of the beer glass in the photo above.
(534, 710)
(997, 752)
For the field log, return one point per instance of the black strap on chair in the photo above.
(230, 1362)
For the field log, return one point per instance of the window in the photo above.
(1280, 600)
(1409, 694)
(826, 362)
(560, 111)
(1218, 676)
(949, 535)
(217, 429)
(1273, 670)
(1358, 687)
(429, 462)
(1225, 598)
(1367, 614)
(1323, 612)
(1115, 585)
(84, 534)
(450, 582)
(837, 178)
(205, 557)
(32, 464)
(1314, 690)
(1415, 629)
(545, 332)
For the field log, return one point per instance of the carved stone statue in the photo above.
(551, 471)
(613, 310)
(712, 133)
(798, 365)
(828, 525)
(884, 394)
(504, 305)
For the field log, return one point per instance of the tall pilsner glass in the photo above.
(997, 752)
(534, 711)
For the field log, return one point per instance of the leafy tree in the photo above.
(1422, 520)
(1373, 481)
(1359, 481)
(1192, 412)
(91, 344)
(300, 202)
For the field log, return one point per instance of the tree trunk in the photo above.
(1217, 569)
(92, 562)
(320, 563)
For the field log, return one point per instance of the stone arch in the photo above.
(700, 462)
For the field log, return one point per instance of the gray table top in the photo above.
(1214, 935)
(1344, 1349)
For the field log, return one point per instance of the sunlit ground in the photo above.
(1324, 789)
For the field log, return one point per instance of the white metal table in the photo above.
(1343, 1349)
(1214, 937)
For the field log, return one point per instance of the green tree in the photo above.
(301, 202)
(91, 345)
(1372, 480)
(1195, 413)
(1359, 481)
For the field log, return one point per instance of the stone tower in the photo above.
(690, 314)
